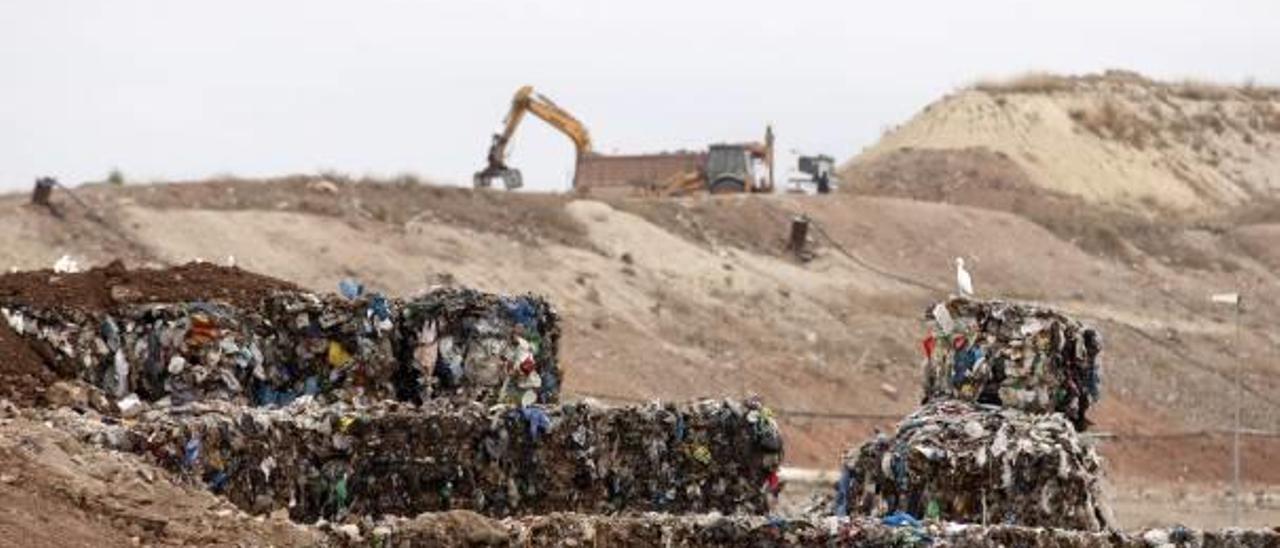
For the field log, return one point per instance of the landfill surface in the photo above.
(638, 326)
(468, 529)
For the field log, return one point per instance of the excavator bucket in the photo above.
(511, 178)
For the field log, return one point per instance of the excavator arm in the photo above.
(526, 101)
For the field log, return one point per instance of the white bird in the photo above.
(964, 282)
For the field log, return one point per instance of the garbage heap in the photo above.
(336, 460)
(448, 343)
(960, 461)
(1012, 355)
(460, 529)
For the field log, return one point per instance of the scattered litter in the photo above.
(462, 528)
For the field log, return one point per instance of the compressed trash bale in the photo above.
(391, 458)
(460, 528)
(975, 463)
(182, 352)
(1015, 355)
(480, 346)
(325, 343)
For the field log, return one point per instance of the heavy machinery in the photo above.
(723, 168)
(727, 169)
(818, 171)
(526, 101)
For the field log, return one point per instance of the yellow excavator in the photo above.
(526, 101)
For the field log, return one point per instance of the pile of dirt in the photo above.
(24, 370)
(102, 288)
(988, 179)
(976, 176)
(1115, 139)
(23, 374)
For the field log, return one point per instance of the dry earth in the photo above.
(1117, 138)
(681, 299)
(676, 299)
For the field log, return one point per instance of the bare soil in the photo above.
(106, 287)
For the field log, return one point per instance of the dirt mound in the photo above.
(102, 288)
(981, 177)
(1115, 138)
(970, 176)
(23, 374)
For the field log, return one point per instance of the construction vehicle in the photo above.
(723, 168)
(727, 169)
(818, 171)
(526, 101)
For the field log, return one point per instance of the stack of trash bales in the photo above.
(975, 463)
(1014, 355)
(353, 406)
(447, 343)
(338, 459)
(1006, 389)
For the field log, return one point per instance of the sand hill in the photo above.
(1117, 138)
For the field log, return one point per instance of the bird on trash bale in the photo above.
(964, 282)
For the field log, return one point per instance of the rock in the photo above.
(327, 187)
(124, 294)
(130, 406)
(349, 530)
(67, 394)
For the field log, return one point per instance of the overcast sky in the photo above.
(171, 89)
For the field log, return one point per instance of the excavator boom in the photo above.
(526, 101)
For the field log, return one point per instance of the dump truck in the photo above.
(722, 168)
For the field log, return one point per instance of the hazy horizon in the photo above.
(166, 90)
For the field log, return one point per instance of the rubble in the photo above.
(447, 343)
(1014, 355)
(460, 528)
(330, 461)
(976, 463)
